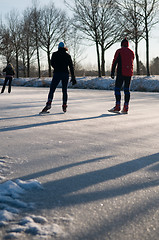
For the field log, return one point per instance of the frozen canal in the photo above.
(98, 172)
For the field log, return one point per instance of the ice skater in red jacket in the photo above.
(123, 59)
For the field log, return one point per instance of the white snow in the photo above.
(11, 206)
(28, 185)
(139, 83)
(10, 192)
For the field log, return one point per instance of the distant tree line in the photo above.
(103, 22)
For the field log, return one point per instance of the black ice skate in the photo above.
(45, 109)
(64, 108)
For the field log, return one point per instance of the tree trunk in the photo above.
(147, 53)
(38, 59)
(137, 57)
(17, 64)
(28, 64)
(147, 42)
(24, 69)
(49, 63)
(98, 59)
(103, 61)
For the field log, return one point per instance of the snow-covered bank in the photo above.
(139, 83)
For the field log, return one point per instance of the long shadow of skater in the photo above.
(116, 225)
(66, 190)
(33, 125)
(61, 168)
(27, 116)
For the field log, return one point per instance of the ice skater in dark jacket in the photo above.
(123, 59)
(60, 61)
(10, 72)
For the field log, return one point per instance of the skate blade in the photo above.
(117, 112)
(124, 112)
(43, 113)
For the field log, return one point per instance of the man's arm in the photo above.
(71, 67)
(114, 63)
(73, 79)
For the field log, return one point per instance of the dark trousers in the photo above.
(120, 80)
(9, 85)
(57, 77)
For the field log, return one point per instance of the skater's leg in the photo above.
(54, 83)
(118, 85)
(64, 88)
(127, 81)
(10, 84)
(65, 79)
(4, 84)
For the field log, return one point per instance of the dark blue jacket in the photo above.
(61, 60)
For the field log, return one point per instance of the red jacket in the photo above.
(123, 58)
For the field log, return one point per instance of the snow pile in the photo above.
(10, 192)
(10, 203)
(10, 209)
(95, 83)
(35, 226)
(139, 83)
(145, 84)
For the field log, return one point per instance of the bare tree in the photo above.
(6, 47)
(73, 41)
(86, 19)
(14, 26)
(36, 30)
(109, 27)
(149, 9)
(142, 68)
(97, 19)
(154, 66)
(54, 25)
(27, 43)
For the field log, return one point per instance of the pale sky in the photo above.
(7, 5)
(20, 5)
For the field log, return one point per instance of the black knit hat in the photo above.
(124, 43)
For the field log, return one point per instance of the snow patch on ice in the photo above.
(10, 208)
(10, 192)
(28, 185)
(36, 226)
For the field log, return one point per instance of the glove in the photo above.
(112, 75)
(73, 81)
